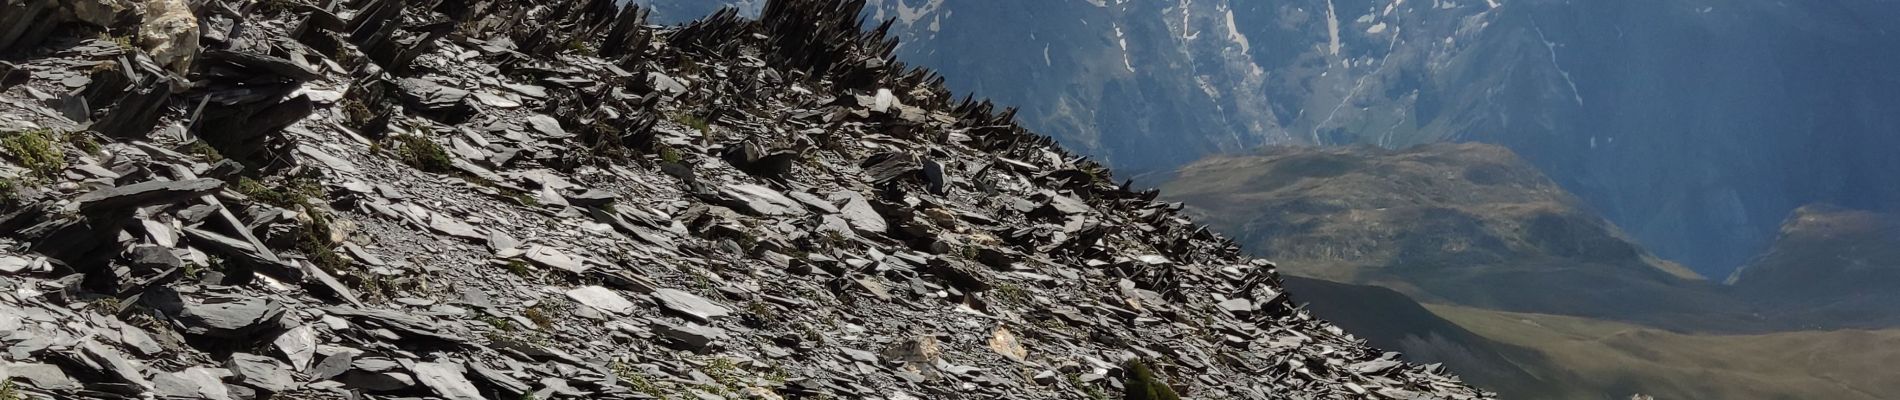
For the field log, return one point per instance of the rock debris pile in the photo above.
(497, 199)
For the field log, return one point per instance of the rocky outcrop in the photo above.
(28, 22)
(466, 200)
(169, 32)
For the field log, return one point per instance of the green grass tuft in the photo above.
(669, 155)
(638, 381)
(579, 46)
(500, 323)
(1012, 292)
(539, 316)
(1093, 392)
(9, 191)
(8, 391)
(37, 150)
(85, 143)
(205, 150)
(423, 154)
(520, 268)
(355, 113)
(693, 121)
(1142, 384)
(313, 238)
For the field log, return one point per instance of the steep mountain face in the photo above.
(1143, 85)
(1831, 266)
(682, 11)
(1465, 223)
(1695, 124)
(507, 200)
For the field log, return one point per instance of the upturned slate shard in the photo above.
(147, 193)
(448, 380)
(399, 323)
(435, 99)
(591, 198)
(859, 212)
(601, 298)
(192, 383)
(691, 305)
(690, 336)
(260, 372)
(551, 258)
(43, 376)
(299, 345)
(230, 317)
(760, 200)
(452, 226)
(778, 195)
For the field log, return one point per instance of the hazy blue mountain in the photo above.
(1696, 125)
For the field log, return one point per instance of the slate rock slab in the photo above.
(691, 305)
(260, 372)
(694, 337)
(230, 318)
(448, 380)
(601, 298)
(760, 200)
(193, 383)
(146, 193)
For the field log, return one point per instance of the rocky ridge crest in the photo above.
(482, 199)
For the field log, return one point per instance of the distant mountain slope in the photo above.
(1830, 267)
(1621, 359)
(1389, 320)
(1464, 223)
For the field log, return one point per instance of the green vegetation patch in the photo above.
(579, 46)
(638, 381)
(313, 238)
(693, 121)
(422, 153)
(10, 392)
(37, 150)
(9, 191)
(1142, 384)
